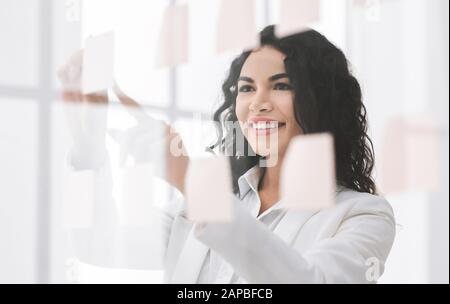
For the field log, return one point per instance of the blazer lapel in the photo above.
(291, 223)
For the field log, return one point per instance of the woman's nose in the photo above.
(260, 103)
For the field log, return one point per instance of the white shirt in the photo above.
(215, 269)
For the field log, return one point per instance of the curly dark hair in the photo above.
(327, 98)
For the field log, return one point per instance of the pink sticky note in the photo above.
(98, 63)
(173, 38)
(295, 15)
(308, 173)
(208, 190)
(237, 26)
(410, 155)
(78, 199)
(136, 198)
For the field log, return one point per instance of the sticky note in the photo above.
(78, 199)
(295, 15)
(236, 28)
(307, 179)
(208, 190)
(98, 63)
(173, 37)
(136, 195)
(410, 158)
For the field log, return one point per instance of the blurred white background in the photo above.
(398, 50)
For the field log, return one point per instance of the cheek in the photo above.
(286, 106)
(241, 112)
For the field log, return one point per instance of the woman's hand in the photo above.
(89, 130)
(152, 134)
(86, 115)
(70, 76)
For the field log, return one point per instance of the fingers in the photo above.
(97, 98)
(70, 73)
(70, 76)
(124, 99)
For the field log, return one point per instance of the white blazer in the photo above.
(347, 244)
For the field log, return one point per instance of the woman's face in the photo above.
(265, 103)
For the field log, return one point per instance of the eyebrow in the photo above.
(271, 78)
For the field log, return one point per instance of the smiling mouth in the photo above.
(265, 128)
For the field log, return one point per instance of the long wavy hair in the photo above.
(327, 98)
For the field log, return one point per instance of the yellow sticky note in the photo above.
(296, 15)
(308, 173)
(208, 190)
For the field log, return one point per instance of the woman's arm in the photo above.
(107, 243)
(175, 162)
(258, 255)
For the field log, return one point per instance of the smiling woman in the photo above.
(284, 88)
(302, 82)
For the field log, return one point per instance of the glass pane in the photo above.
(66, 29)
(197, 134)
(200, 83)
(110, 207)
(19, 33)
(18, 160)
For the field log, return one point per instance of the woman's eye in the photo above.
(245, 88)
(282, 86)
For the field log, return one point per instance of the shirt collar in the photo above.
(248, 181)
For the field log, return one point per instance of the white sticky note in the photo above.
(208, 190)
(410, 158)
(237, 26)
(173, 38)
(98, 63)
(308, 173)
(136, 195)
(78, 199)
(296, 15)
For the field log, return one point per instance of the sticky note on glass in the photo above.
(173, 37)
(237, 26)
(410, 159)
(296, 15)
(208, 190)
(98, 63)
(136, 195)
(308, 173)
(78, 199)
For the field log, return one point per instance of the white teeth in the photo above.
(264, 125)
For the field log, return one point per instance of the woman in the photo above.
(301, 84)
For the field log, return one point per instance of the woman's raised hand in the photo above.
(151, 135)
(86, 115)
